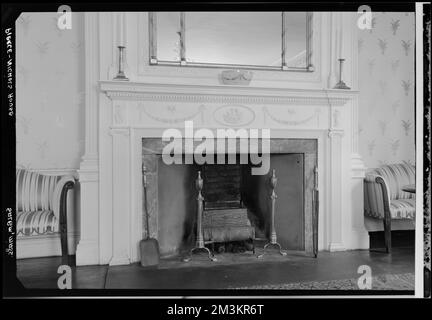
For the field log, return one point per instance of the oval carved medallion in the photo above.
(234, 115)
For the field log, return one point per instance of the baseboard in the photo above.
(87, 253)
(44, 246)
(119, 261)
(358, 239)
(336, 246)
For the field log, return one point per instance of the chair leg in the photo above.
(63, 223)
(387, 232)
(63, 230)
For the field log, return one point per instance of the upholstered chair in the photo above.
(384, 198)
(41, 202)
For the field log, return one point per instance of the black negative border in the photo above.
(10, 12)
(427, 146)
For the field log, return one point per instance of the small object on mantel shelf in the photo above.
(341, 84)
(236, 77)
(149, 247)
(120, 74)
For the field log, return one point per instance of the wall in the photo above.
(386, 84)
(50, 107)
(50, 92)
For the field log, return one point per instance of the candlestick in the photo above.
(121, 75)
(341, 84)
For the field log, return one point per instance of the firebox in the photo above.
(225, 217)
(232, 193)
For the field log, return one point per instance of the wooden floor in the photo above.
(42, 272)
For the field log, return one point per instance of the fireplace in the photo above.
(172, 195)
(293, 105)
(316, 127)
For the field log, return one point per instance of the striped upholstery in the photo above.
(31, 223)
(383, 192)
(34, 191)
(35, 196)
(402, 209)
(396, 176)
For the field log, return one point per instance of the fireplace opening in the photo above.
(231, 194)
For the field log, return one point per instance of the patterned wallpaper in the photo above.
(50, 92)
(387, 92)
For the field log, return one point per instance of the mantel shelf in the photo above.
(126, 90)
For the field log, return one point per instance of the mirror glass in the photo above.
(295, 26)
(168, 36)
(239, 38)
(232, 38)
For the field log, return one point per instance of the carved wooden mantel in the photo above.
(140, 110)
(161, 105)
(292, 105)
(223, 94)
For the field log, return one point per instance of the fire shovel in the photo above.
(149, 247)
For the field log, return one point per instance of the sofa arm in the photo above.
(376, 197)
(60, 211)
(63, 185)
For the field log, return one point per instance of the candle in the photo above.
(341, 35)
(120, 29)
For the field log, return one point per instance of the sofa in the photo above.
(41, 207)
(384, 199)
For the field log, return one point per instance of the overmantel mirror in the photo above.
(252, 40)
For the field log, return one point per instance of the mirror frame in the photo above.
(153, 47)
